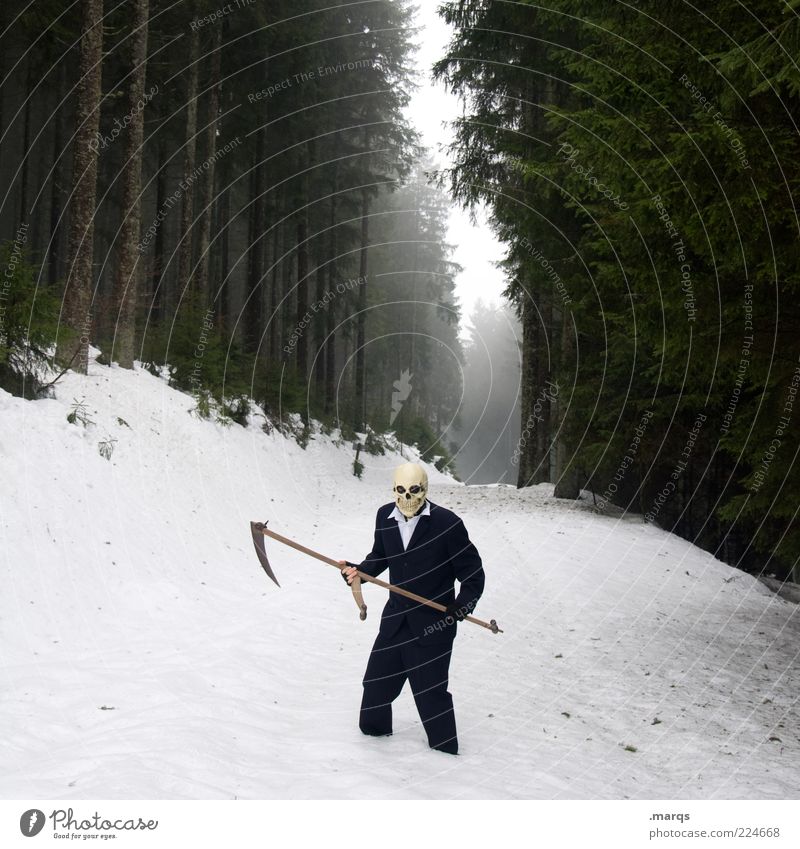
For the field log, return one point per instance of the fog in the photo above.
(488, 425)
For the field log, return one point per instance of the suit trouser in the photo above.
(391, 662)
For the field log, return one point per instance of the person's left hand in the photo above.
(458, 612)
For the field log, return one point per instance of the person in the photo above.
(426, 548)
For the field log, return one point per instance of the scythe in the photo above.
(259, 530)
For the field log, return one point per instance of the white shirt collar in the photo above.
(399, 517)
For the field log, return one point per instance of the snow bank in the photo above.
(146, 655)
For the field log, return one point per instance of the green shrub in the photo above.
(200, 359)
(28, 324)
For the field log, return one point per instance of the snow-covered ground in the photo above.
(146, 655)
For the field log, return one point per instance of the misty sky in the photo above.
(431, 106)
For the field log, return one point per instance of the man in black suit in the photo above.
(426, 548)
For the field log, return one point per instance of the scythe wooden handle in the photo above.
(363, 576)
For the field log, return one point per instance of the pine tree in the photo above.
(74, 339)
(126, 288)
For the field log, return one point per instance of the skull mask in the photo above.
(410, 488)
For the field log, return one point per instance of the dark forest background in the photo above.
(231, 195)
(230, 192)
(641, 164)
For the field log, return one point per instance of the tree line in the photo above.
(641, 165)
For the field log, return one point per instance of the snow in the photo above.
(146, 655)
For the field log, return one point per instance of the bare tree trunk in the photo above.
(542, 399)
(207, 201)
(255, 249)
(302, 291)
(55, 188)
(187, 213)
(330, 309)
(360, 411)
(76, 314)
(287, 263)
(273, 342)
(566, 474)
(158, 294)
(526, 449)
(26, 145)
(126, 285)
(224, 219)
(3, 31)
(319, 338)
(274, 326)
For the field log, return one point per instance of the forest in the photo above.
(232, 196)
(641, 167)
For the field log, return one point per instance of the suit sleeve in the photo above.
(467, 564)
(375, 562)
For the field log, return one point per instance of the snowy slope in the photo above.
(146, 655)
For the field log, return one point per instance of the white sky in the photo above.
(431, 107)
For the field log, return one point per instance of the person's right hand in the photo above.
(349, 572)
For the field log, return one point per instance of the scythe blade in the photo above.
(257, 531)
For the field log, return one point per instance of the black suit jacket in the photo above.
(438, 554)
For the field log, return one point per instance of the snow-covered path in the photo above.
(145, 654)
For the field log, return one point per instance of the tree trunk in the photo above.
(56, 176)
(543, 392)
(274, 299)
(318, 364)
(285, 299)
(187, 213)
(76, 313)
(3, 29)
(359, 411)
(159, 299)
(330, 308)
(302, 292)
(526, 448)
(126, 285)
(566, 473)
(224, 228)
(207, 201)
(26, 146)
(255, 250)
